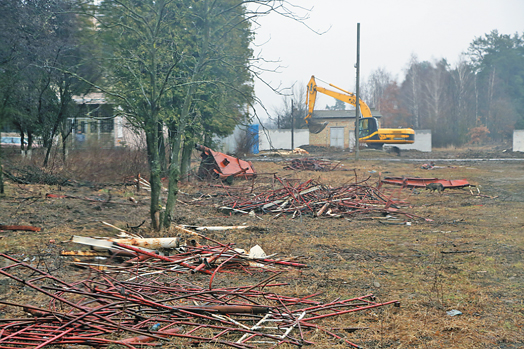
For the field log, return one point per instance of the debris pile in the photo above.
(171, 255)
(134, 309)
(311, 164)
(312, 198)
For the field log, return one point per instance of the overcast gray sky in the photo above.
(390, 33)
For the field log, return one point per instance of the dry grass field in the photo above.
(467, 256)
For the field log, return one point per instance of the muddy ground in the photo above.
(462, 249)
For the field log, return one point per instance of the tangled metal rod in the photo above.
(149, 309)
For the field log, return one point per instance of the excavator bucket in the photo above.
(316, 127)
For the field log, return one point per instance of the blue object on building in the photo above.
(253, 130)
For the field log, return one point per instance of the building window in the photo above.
(94, 126)
(106, 126)
(81, 126)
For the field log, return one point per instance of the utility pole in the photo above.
(357, 109)
(292, 126)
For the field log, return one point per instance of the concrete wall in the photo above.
(518, 140)
(422, 142)
(422, 137)
(281, 138)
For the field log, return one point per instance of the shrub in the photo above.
(478, 134)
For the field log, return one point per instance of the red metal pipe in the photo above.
(51, 340)
(154, 255)
(348, 311)
(216, 270)
(147, 339)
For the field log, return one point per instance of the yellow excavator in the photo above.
(369, 132)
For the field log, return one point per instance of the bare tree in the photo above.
(412, 94)
(392, 108)
(377, 83)
(465, 106)
(293, 107)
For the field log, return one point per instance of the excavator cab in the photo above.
(367, 126)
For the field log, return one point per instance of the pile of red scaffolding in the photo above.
(312, 198)
(172, 255)
(135, 309)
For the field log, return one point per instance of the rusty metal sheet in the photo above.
(219, 165)
(414, 182)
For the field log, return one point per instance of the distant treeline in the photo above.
(479, 99)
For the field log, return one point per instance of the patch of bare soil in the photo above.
(468, 255)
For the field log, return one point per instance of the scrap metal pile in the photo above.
(171, 255)
(136, 308)
(311, 164)
(312, 198)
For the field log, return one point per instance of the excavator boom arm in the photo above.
(347, 97)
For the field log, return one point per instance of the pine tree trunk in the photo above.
(178, 133)
(162, 147)
(174, 177)
(22, 141)
(154, 171)
(47, 153)
(64, 150)
(185, 164)
(29, 148)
